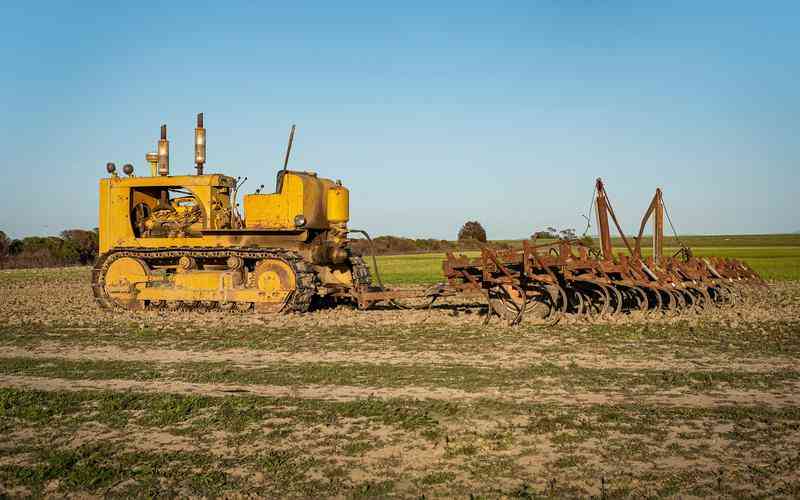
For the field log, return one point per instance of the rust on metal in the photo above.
(569, 277)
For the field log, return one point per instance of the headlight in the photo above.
(299, 220)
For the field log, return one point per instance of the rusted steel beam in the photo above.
(602, 221)
(526, 264)
(493, 257)
(650, 209)
(658, 226)
(616, 222)
(374, 296)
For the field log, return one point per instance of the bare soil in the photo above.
(341, 393)
(251, 358)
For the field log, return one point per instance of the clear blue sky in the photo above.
(432, 113)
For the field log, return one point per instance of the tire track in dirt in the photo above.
(343, 393)
(251, 358)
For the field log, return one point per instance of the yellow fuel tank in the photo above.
(338, 204)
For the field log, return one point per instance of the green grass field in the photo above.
(775, 257)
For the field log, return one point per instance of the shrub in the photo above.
(5, 245)
(75, 246)
(85, 243)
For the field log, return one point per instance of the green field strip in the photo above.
(237, 413)
(745, 340)
(108, 468)
(465, 378)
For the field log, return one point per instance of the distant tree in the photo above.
(15, 248)
(567, 234)
(472, 230)
(5, 245)
(47, 243)
(85, 243)
(541, 234)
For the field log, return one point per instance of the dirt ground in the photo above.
(389, 403)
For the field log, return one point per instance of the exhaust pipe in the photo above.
(199, 145)
(163, 153)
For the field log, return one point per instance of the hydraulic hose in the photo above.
(378, 272)
(372, 254)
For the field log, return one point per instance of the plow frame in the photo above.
(568, 276)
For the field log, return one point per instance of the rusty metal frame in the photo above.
(671, 281)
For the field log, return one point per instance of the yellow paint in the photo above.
(122, 277)
(225, 295)
(302, 193)
(206, 280)
(272, 274)
(338, 204)
(104, 219)
(119, 196)
(269, 281)
(198, 214)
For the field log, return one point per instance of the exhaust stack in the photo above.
(163, 153)
(199, 145)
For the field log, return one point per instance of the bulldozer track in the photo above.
(298, 301)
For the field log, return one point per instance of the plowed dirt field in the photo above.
(346, 403)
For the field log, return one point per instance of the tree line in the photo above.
(75, 247)
(72, 247)
(471, 236)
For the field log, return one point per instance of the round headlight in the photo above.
(299, 220)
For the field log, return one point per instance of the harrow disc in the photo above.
(541, 304)
(554, 281)
(641, 298)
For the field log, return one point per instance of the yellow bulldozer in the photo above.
(181, 242)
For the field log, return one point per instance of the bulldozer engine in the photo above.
(179, 241)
